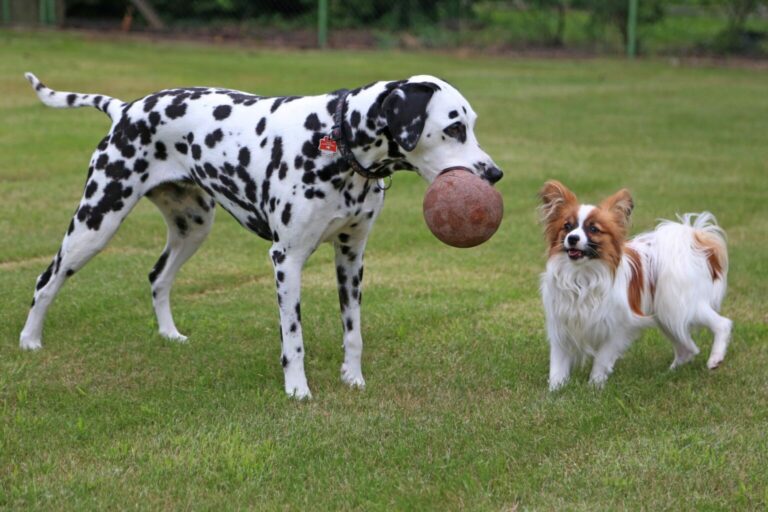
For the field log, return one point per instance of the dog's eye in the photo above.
(593, 229)
(457, 131)
(568, 226)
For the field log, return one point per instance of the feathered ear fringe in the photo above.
(554, 196)
(621, 204)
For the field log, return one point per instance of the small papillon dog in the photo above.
(601, 290)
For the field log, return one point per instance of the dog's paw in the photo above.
(296, 381)
(352, 377)
(298, 392)
(598, 381)
(557, 382)
(714, 361)
(30, 343)
(174, 336)
(683, 356)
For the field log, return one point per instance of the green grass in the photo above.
(456, 414)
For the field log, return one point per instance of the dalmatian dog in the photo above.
(297, 171)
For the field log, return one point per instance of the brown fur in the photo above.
(611, 235)
(636, 282)
(558, 206)
(713, 248)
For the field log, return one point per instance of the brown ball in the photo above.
(462, 209)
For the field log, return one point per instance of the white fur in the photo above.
(587, 307)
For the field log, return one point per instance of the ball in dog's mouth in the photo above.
(462, 209)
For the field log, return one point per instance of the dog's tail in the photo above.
(61, 99)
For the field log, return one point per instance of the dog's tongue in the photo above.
(575, 253)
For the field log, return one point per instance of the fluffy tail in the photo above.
(61, 99)
(710, 239)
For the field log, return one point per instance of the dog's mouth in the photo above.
(575, 254)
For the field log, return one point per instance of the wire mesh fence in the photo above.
(663, 26)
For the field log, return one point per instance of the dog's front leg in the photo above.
(349, 274)
(288, 268)
(560, 362)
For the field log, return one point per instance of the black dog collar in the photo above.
(338, 134)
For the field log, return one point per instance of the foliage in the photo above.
(616, 12)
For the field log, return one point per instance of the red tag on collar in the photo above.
(327, 144)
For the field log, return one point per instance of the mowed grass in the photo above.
(456, 414)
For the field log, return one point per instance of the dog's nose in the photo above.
(573, 239)
(493, 174)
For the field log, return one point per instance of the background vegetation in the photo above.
(665, 26)
(456, 415)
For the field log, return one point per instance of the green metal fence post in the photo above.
(632, 29)
(6, 11)
(322, 23)
(52, 12)
(47, 13)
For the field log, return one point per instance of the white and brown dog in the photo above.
(601, 290)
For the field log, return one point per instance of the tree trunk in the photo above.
(149, 13)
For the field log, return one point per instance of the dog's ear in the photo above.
(554, 195)
(621, 204)
(406, 111)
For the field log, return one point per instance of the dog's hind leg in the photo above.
(103, 207)
(349, 275)
(189, 213)
(721, 329)
(685, 347)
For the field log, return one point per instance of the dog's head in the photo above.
(582, 231)
(433, 125)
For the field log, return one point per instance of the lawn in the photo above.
(456, 413)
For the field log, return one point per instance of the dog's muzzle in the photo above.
(493, 174)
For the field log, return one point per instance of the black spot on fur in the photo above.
(175, 111)
(44, 277)
(284, 361)
(212, 138)
(158, 268)
(91, 189)
(71, 99)
(312, 123)
(222, 112)
(354, 119)
(181, 223)
(140, 166)
(278, 257)
(298, 311)
(244, 157)
(70, 272)
(150, 102)
(286, 216)
(261, 125)
(453, 114)
(181, 148)
(161, 153)
(343, 297)
(350, 324)
(196, 152)
(154, 119)
(117, 170)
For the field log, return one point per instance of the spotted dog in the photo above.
(297, 171)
